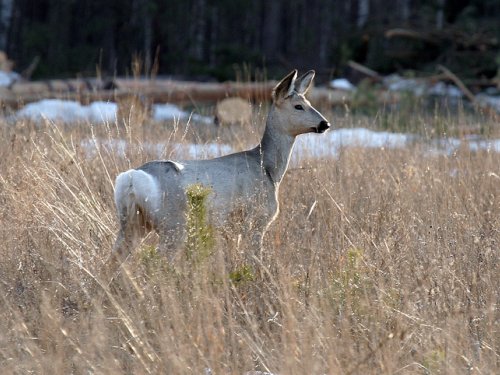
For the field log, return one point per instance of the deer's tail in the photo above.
(136, 198)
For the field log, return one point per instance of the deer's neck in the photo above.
(275, 149)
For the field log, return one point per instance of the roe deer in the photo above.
(153, 196)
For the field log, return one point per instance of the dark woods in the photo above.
(209, 38)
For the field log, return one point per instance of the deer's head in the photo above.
(292, 112)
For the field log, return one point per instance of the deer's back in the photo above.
(237, 183)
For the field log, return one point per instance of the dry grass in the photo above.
(381, 261)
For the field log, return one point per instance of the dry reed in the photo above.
(381, 261)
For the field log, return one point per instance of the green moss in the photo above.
(200, 235)
(242, 275)
(433, 361)
(350, 281)
(153, 262)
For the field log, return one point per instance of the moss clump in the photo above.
(151, 260)
(351, 281)
(200, 234)
(242, 275)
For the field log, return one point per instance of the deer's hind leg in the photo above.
(172, 237)
(133, 228)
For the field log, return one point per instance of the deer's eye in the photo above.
(299, 107)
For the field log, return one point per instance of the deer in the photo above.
(153, 196)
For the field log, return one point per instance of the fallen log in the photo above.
(86, 91)
(412, 34)
(154, 91)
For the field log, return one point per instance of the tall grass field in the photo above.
(381, 261)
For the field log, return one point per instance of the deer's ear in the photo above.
(303, 84)
(285, 87)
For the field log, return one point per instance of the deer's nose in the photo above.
(323, 126)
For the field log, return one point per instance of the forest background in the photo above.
(209, 39)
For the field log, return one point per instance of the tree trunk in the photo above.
(109, 49)
(214, 19)
(325, 31)
(363, 13)
(405, 10)
(59, 39)
(440, 14)
(147, 22)
(198, 30)
(6, 9)
(271, 29)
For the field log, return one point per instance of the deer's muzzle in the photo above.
(322, 127)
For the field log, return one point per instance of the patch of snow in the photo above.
(443, 89)
(307, 146)
(489, 100)
(165, 112)
(101, 111)
(395, 82)
(68, 111)
(329, 144)
(342, 84)
(97, 112)
(119, 148)
(442, 146)
(485, 145)
(8, 78)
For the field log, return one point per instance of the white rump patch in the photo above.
(136, 187)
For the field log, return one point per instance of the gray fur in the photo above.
(244, 185)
